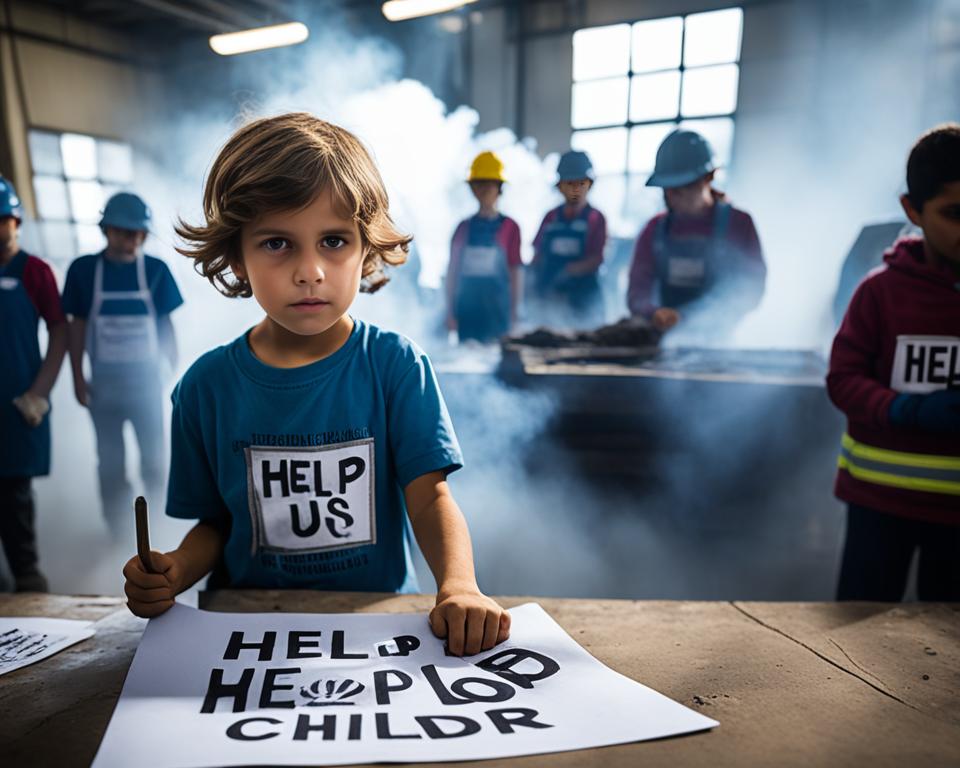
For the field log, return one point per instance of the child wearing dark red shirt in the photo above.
(895, 373)
(28, 292)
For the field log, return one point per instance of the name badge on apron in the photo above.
(685, 272)
(312, 499)
(923, 364)
(565, 247)
(9, 283)
(480, 261)
(124, 338)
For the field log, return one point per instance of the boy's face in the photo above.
(689, 199)
(940, 221)
(9, 227)
(487, 191)
(124, 242)
(303, 266)
(574, 192)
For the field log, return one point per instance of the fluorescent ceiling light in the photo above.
(400, 10)
(257, 39)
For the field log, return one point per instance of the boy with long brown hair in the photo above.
(300, 446)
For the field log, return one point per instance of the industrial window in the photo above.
(74, 175)
(634, 83)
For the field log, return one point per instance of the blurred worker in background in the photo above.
(568, 250)
(28, 291)
(699, 254)
(120, 302)
(483, 277)
(895, 373)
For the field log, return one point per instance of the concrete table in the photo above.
(800, 684)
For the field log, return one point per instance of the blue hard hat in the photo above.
(575, 165)
(126, 210)
(9, 202)
(683, 157)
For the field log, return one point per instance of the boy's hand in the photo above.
(81, 391)
(469, 620)
(150, 594)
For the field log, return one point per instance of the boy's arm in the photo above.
(852, 382)
(469, 620)
(516, 294)
(76, 343)
(150, 594)
(50, 368)
(167, 339)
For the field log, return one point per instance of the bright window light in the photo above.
(260, 38)
(655, 97)
(401, 10)
(601, 52)
(599, 102)
(52, 200)
(644, 143)
(115, 161)
(59, 243)
(713, 38)
(79, 156)
(710, 90)
(656, 44)
(607, 148)
(719, 132)
(86, 200)
(45, 153)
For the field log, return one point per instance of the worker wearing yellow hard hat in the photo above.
(483, 276)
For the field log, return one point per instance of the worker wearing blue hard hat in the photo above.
(568, 249)
(701, 253)
(119, 302)
(28, 291)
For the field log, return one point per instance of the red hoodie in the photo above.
(901, 333)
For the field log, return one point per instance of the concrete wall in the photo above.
(78, 77)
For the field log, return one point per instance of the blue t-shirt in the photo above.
(78, 289)
(308, 464)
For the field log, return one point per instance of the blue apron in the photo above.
(24, 450)
(483, 288)
(565, 241)
(689, 268)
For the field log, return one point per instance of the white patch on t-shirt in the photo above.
(480, 261)
(684, 271)
(8, 283)
(925, 364)
(312, 499)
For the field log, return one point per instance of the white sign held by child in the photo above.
(227, 689)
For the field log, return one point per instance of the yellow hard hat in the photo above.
(487, 167)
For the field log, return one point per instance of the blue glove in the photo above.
(937, 412)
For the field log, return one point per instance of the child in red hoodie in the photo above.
(895, 373)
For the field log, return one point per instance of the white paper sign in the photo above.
(312, 499)
(924, 364)
(25, 640)
(227, 689)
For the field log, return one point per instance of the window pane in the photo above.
(115, 162)
(713, 38)
(644, 142)
(656, 44)
(79, 156)
(51, 195)
(719, 132)
(45, 153)
(710, 91)
(655, 97)
(601, 52)
(601, 102)
(58, 242)
(607, 148)
(89, 238)
(642, 201)
(86, 200)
